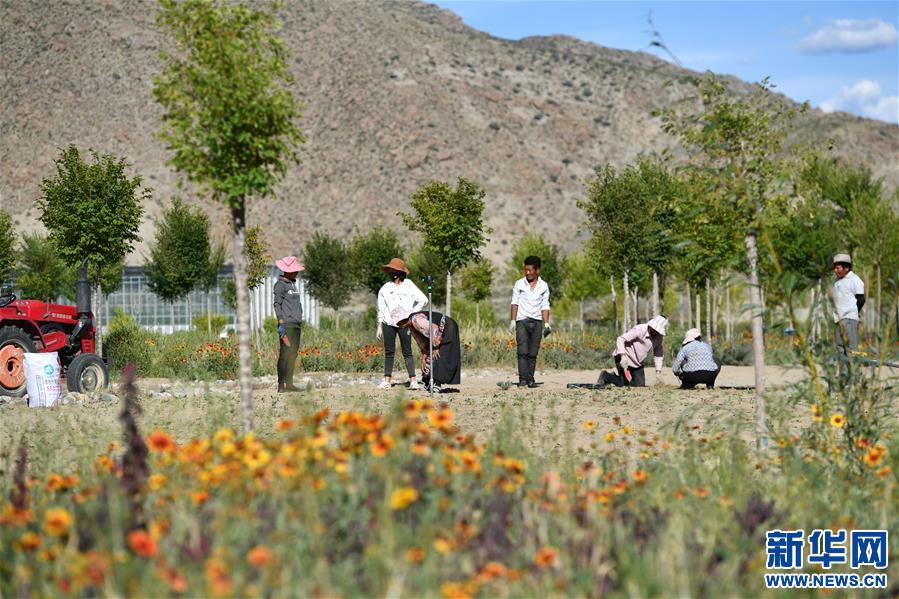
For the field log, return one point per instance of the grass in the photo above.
(396, 497)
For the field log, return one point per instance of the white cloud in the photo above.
(864, 98)
(850, 35)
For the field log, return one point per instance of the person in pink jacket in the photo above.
(630, 351)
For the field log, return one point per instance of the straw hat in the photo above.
(659, 324)
(396, 264)
(842, 258)
(691, 335)
(289, 264)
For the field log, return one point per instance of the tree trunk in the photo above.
(708, 310)
(758, 339)
(879, 320)
(614, 304)
(209, 313)
(477, 316)
(238, 222)
(337, 320)
(190, 312)
(449, 292)
(655, 293)
(716, 301)
(172, 314)
(627, 305)
(689, 307)
(728, 322)
(698, 302)
(98, 321)
(636, 306)
(580, 310)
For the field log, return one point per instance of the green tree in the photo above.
(92, 212)
(179, 255)
(327, 262)
(369, 252)
(582, 280)
(422, 262)
(475, 279)
(7, 246)
(533, 244)
(737, 142)
(229, 119)
(451, 222)
(631, 216)
(42, 273)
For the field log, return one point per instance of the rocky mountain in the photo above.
(395, 94)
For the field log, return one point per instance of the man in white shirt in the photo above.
(848, 299)
(530, 319)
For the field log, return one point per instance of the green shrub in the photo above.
(125, 342)
(270, 325)
(200, 322)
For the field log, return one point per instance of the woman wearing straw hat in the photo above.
(397, 295)
(695, 362)
(289, 312)
(630, 351)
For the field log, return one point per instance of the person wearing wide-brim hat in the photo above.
(289, 312)
(397, 295)
(632, 348)
(848, 299)
(695, 362)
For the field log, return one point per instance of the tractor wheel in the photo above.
(14, 344)
(87, 373)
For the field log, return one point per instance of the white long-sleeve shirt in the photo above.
(405, 295)
(530, 302)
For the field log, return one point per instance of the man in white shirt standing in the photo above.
(848, 299)
(530, 319)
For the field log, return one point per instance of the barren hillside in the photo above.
(395, 94)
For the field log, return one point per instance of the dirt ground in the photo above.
(551, 417)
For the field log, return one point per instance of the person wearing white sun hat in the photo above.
(848, 299)
(289, 312)
(695, 362)
(632, 348)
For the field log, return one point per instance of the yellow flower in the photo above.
(57, 521)
(256, 458)
(442, 546)
(837, 420)
(610, 436)
(402, 497)
(589, 424)
(223, 435)
(157, 481)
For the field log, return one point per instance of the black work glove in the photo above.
(547, 330)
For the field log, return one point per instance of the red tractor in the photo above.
(28, 326)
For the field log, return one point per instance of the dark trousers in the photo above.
(638, 377)
(390, 334)
(287, 354)
(688, 380)
(528, 333)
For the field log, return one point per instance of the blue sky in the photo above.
(837, 55)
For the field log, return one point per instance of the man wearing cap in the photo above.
(695, 362)
(289, 312)
(398, 295)
(530, 319)
(632, 348)
(848, 299)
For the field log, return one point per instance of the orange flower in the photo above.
(545, 557)
(29, 541)
(884, 471)
(141, 543)
(160, 441)
(382, 446)
(640, 477)
(217, 577)
(415, 555)
(199, 497)
(259, 556)
(441, 418)
(419, 447)
(492, 570)
(589, 424)
(285, 425)
(873, 456)
(701, 492)
(156, 481)
(57, 521)
(610, 436)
